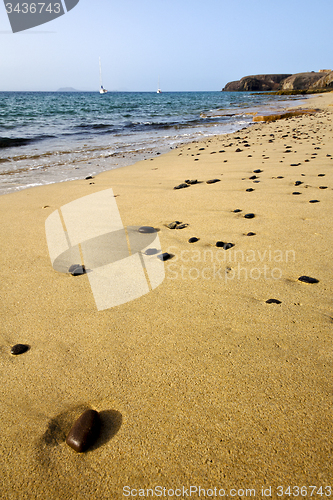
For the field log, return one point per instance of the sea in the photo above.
(48, 137)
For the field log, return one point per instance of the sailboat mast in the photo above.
(100, 73)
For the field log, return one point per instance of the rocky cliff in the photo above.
(298, 81)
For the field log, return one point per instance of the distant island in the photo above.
(284, 83)
(68, 89)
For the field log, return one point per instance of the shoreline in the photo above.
(71, 159)
(201, 381)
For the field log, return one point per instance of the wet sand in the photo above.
(200, 382)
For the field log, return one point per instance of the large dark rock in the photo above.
(285, 82)
(256, 82)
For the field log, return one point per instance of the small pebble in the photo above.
(273, 301)
(147, 229)
(238, 150)
(220, 243)
(193, 181)
(193, 240)
(249, 216)
(322, 187)
(298, 183)
(314, 201)
(76, 269)
(258, 171)
(253, 177)
(296, 192)
(237, 210)
(84, 431)
(164, 256)
(89, 177)
(19, 349)
(321, 175)
(212, 181)
(181, 226)
(308, 279)
(251, 234)
(249, 190)
(181, 186)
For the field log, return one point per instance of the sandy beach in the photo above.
(201, 382)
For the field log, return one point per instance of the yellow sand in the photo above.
(200, 382)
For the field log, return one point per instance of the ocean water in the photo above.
(48, 137)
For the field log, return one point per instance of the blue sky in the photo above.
(191, 45)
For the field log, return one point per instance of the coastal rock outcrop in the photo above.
(326, 81)
(256, 82)
(301, 81)
(322, 79)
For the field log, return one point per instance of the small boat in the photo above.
(102, 90)
(159, 91)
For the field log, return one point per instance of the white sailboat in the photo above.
(159, 91)
(102, 90)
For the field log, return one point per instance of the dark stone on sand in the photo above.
(165, 256)
(147, 229)
(294, 164)
(237, 210)
(298, 183)
(212, 181)
(308, 279)
(238, 150)
(258, 171)
(181, 226)
(173, 225)
(296, 192)
(314, 201)
(249, 190)
(322, 187)
(19, 349)
(321, 175)
(85, 431)
(228, 245)
(251, 234)
(76, 269)
(253, 177)
(188, 181)
(201, 149)
(273, 301)
(181, 186)
(193, 240)
(249, 216)
(220, 244)
(280, 177)
(89, 177)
